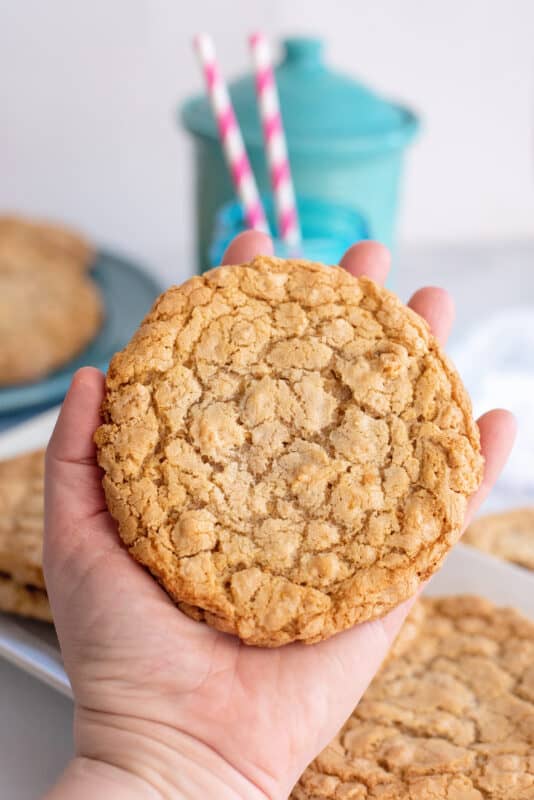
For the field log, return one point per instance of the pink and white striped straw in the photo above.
(230, 134)
(275, 143)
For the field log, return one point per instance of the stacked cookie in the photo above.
(450, 716)
(22, 587)
(49, 307)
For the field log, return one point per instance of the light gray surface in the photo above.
(33, 647)
(481, 278)
(35, 734)
(35, 721)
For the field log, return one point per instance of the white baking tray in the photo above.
(33, 647)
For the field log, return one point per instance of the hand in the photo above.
(167, 707)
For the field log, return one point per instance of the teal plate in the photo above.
(127, 293)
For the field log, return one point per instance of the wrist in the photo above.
(87, 778)
(132, 759)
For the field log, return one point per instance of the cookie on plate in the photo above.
(31, 243)
(287, 449)
(508, 535)
(450, 716)
(48, 314)
(22, 586)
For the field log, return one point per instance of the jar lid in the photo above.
(321, 109)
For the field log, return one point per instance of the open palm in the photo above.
(131, 655)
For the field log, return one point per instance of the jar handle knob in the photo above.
(302, 51)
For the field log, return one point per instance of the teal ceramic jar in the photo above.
(345, 143)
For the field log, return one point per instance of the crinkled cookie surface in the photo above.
(287, 449)
(450, 716)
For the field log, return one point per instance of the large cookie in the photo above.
(287, 449)
(508, 535)
(450, 716)
(49, 308)
(22, 586)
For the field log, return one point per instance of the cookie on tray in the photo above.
(22, 586)
(508, 535)
(287, 449)
(450, 716)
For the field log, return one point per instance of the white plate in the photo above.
(33, 647)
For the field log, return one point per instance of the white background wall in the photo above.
(88, 92)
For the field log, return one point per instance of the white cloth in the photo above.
(496, 361)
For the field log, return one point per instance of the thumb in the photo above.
(84, 562)
(73, 490)
(73, 482)
(77, 525)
